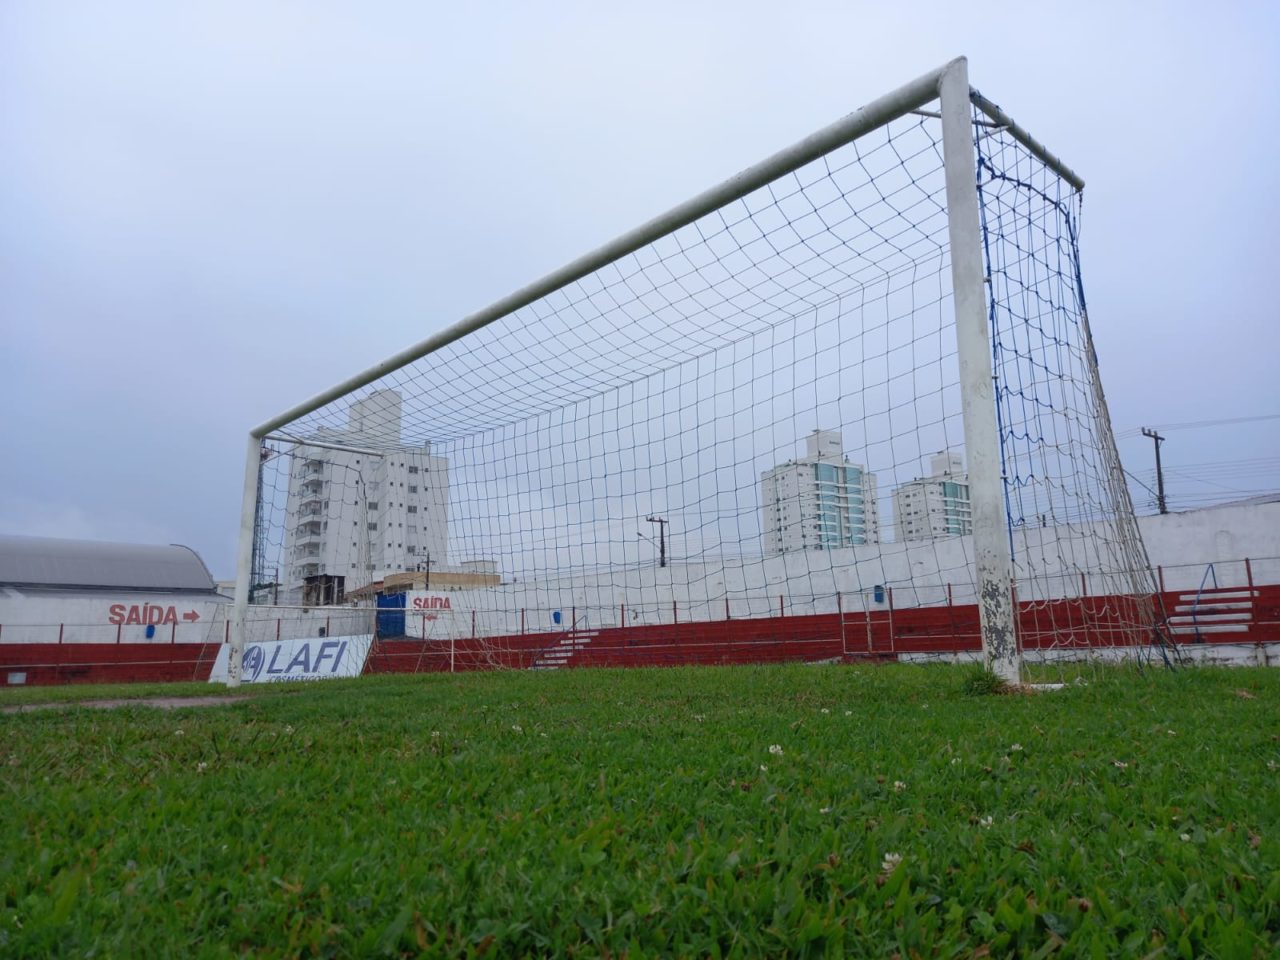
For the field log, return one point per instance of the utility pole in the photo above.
(662, 538)
(1160, 501)
(427, 583)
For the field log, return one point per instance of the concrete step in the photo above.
(1213, 618)
(1209, 596)
(1206, 628)
(1212, 607)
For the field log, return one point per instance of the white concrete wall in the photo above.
(1184, 543)
(919, 573)
(42, 617)
(1055, 562)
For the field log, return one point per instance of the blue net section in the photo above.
(1069, 511)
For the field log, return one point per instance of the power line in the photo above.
(1196, 424)
(1139, 482)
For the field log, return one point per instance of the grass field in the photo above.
(739, 811)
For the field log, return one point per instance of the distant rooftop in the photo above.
(45, 562)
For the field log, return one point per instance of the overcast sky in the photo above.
(211, 211)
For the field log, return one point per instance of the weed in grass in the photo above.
(981, 682)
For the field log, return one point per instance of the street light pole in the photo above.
(662, 538)
(1160, 501)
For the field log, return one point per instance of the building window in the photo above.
(372, 505)
(411, 469)
(373, 526)
(412, 508)
(413, 489)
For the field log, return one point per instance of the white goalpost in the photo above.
(849, 392)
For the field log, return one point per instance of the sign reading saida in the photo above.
(315, 658)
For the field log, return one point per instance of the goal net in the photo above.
(790, 419)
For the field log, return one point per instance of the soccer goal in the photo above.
(844, 404)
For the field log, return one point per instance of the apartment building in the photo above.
(362, 505)
(820, 501)
(937, 505)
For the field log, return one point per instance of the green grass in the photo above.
(641, 812)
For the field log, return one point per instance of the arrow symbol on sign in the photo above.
(190, 615)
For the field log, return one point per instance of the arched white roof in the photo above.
(45, 562)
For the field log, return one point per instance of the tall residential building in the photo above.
(355, 516)
(936, 505)
(819, 502)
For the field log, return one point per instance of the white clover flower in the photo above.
(824, 710)
(288, 728)
(985, 822)
(1119, 764)
(848, 713)
(517, 728)
(699, 717)
(824, 810)
(1184, 837)
(1272, 765)
(890, 862)
(1016, 747)
(954, 761)
(764, 768)
(435, 734)
(201, 767)
(898, 786)
(775, 749)
(178, 732)
(1172, 733)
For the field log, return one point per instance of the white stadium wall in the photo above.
(1181, 545)
(807, 582)
(55, 617)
